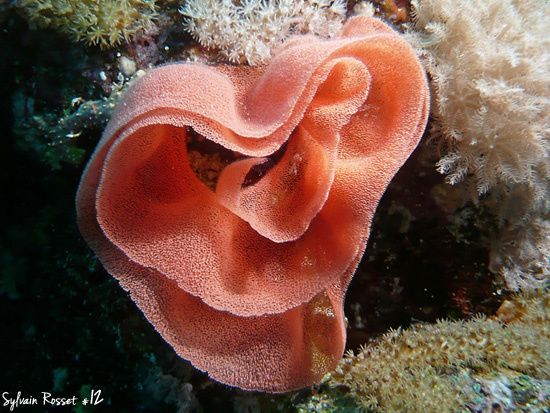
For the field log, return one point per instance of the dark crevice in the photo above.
(208, 159)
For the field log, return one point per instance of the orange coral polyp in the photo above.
(248, 282)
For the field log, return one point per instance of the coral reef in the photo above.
(447, 366)
(44, 133)
(38, 102)
(520, 250)
(250, 30)
(105, 23)
(199, 262)
(489, 66)
(502, 393)
(53, 137)
(423, 261)
(396, 12)
(53, 134)
(489, 62)
(363, 8)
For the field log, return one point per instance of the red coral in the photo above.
(247, 282)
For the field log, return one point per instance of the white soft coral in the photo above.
(247, 32)
(489, 61)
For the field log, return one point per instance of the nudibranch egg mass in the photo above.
(247, 281)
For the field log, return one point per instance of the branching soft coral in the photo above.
(95, 22)
(249, 30)
(248, 281)
(489, 62)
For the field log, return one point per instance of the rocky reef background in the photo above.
(68, 328)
